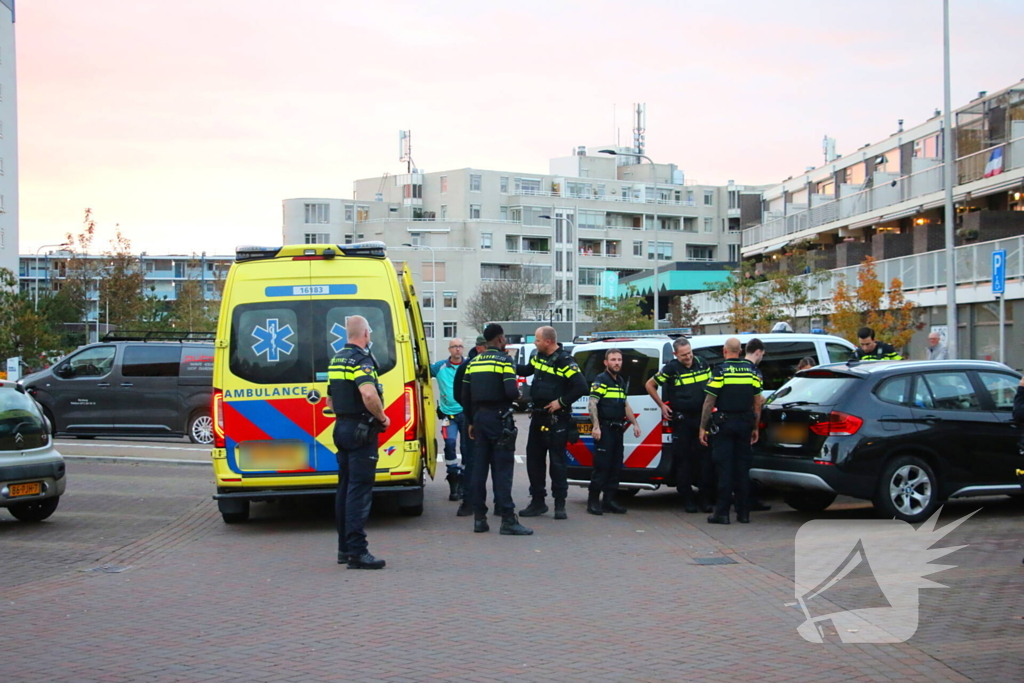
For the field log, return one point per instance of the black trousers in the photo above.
(608, 456)
(357, 471)
(487, 428)
(732, 455)
(544, 445)
(691, 459)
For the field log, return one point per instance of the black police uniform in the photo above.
(735, 383)
(357, 462)
(683, 391)
(555, 378)
(882, 351)
(488, 390)
(610, 393)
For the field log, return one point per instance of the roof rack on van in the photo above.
(160, 335)
(633, 334)
(374, 249)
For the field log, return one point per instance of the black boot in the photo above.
(594, 503)
(365, 561)
(609, 504)
(480, 523)
(560, 509)
(510, 526)
(453, 486)
(715, 519)
(536, 507)
(465, 510)
(462, 487)
(689, 504)
(704, 503)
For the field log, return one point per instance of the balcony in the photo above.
(601, 198)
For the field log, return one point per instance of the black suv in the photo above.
(152, 385)
(905, 435)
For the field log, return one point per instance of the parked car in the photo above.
(143, 386)
(31, 470)
(905, 435)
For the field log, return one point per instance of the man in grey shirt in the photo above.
(936, 349)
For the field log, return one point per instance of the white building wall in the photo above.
(9, 233)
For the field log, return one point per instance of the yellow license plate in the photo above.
(270, 455)
(33, 488)
(791, 434)
(585, 427)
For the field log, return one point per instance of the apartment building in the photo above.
(886, 200)
(8, 141)
(573, 232)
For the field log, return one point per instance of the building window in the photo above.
(638, 248)
(318, 213)
(527, 186)
(503, 185)
(451, 329)
(664, 251)
(503, 213)
(317, 238)
(474, 182)
(430, 268)
(348, 239)
(349, 213)
(709, 225)
(416, 239)
(474, 211)
(590, 276)
(362, 214)
(486, 240)
(444, 184)
(451, 299)
(428, 329)
(444, 212)
(734, 252)
(428, 299)
(709, 197)
(512, 243)
(734, 199)
(700, 253)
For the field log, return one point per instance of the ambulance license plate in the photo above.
(33, 488)
(273, 455)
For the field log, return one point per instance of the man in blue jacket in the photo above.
(454, 425)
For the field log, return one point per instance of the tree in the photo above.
(122, 298)
(500, 300)
(23, 331)
(793, 286)
(888, 313)
(192, 310)
(620, 314)
(683, 313)
(749, 304)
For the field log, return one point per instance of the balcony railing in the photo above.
(929, 181)
(602, 198)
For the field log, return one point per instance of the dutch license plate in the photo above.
(585, 427)
(33, 488)
(273, 456)
(791, 434)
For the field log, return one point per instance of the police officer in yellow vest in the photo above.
(609, 414)
(682, 383)
(489, 388)
(733, 394)
(869, 349)
(357, 399)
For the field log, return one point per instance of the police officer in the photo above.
(869, 349)
(609, 414)
(357, 399)
(682, 383)
(488, 391)
(732, 393)
(557, 384)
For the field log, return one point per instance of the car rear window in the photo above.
(638, 366)
(21, 424)
(821, 390)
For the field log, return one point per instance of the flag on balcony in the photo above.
(995, 163)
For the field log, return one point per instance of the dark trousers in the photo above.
(544, 444)
(458, 427)
(487, 427)
(357, 471)
(691, 459)
(732, 454)
(608, 455)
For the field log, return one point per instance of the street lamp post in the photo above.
(657, 245)
(947, 138)
(35, 305)
(433, 289)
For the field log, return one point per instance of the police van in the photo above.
(282, 320)
(646, 465)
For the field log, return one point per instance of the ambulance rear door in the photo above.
(421, 359)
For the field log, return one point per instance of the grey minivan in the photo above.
(129, 388)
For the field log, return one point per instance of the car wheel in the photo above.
(234, 511)
(808, 501)
(908, 490)
(35, 511)
(200, 428)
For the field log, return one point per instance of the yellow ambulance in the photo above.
(282, 319)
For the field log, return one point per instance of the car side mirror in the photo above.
(62, 370)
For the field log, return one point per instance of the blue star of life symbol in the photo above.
(273, 341)
(340, 337)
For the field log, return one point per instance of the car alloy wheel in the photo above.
(910, 490)
(201, 431)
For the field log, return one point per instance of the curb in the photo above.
(137, 461)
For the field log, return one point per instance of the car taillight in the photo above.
(837, 424)
(217, 411)
(410, 411)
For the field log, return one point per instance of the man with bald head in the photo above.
(557, 384)
(355, 395)
(731, 413)
(936, 349)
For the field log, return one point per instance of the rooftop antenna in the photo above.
(638, 131)
(405, 149)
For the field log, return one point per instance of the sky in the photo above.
(185, 124)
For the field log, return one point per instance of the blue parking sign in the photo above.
(999, 271)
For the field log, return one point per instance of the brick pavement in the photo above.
(598, 599)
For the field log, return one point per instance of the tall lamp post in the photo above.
(572, 270)
(35, 305)
(433, 290)
(947, 138)
(657, 244)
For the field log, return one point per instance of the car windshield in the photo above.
(21, 424)
(823, 391)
